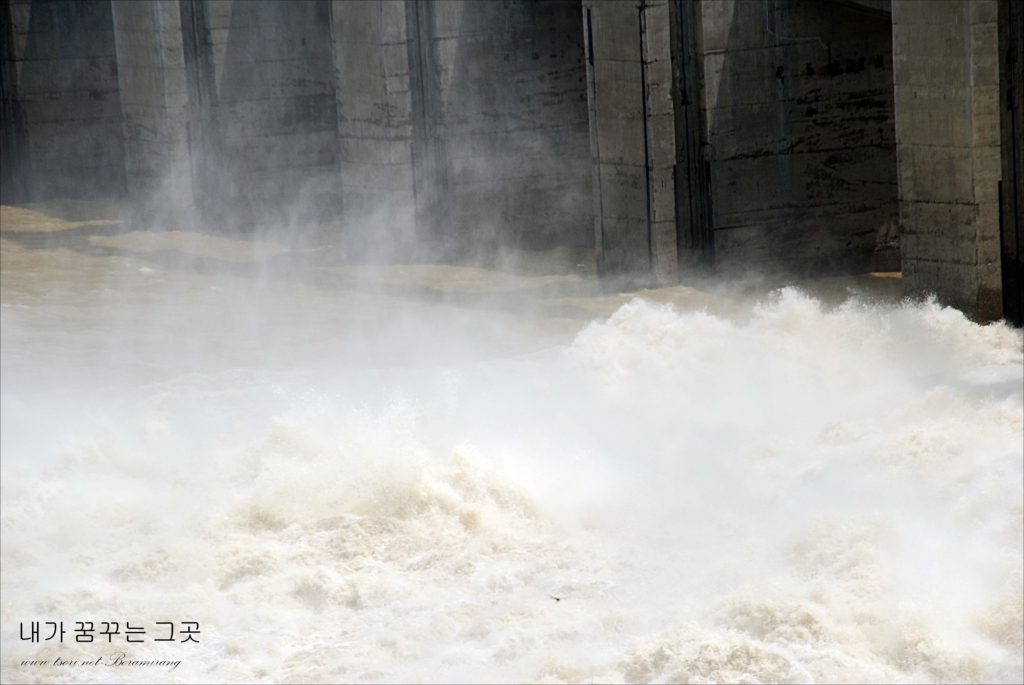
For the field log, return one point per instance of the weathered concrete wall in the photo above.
(797, 136)
(800, 120)
(374, 123)
(154, 101)
(667, 134)
(66, 75)
(947, 130)
(276, 110)
(512, 109)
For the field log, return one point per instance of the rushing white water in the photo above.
(795, 493)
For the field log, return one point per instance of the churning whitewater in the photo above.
(797, 493)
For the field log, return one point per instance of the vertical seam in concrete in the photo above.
(412, 37)
(595, 145)
(190, 51)
(388, 119)
(430, 166)
(337, 111)
(968, 41)
(200, 80)
(898, 124)
(120, 58)
(695, 245)
(702, 137)
(160, 53)
(645, 92)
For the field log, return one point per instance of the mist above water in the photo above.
(363, 479)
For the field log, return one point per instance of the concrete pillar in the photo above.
(374, 123)
(155, 103)
(675, 136)
(660, 138)
(618, 138)
(948, 150)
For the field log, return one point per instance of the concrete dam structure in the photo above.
(511, 341)
(673, 139)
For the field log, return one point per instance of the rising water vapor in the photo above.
(340, 485)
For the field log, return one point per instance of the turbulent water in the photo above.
(357, 485)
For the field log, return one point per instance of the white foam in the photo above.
(809, 495)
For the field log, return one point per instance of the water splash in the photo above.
(799, 494)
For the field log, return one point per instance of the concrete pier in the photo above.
(947, 129)
(618, 138)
